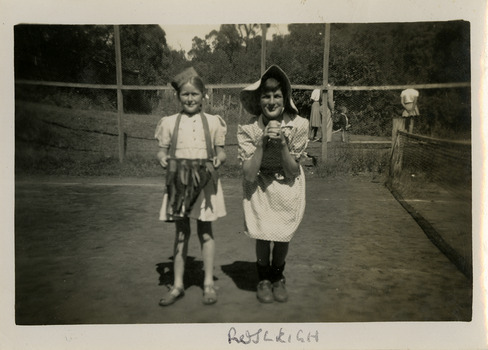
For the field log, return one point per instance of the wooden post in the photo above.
(396, 151)
(264, 29)
(325, 83)
(396, 157)
(398, 124)
(120, 97)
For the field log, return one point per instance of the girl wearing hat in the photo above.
(191, 149)
(270, 146)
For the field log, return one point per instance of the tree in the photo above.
(72, 53)
(227, 55)
(61, 52)
(248, 32)
(360, 54)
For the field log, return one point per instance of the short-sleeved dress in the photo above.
(408, 96)
(191, 145)
(273, 205)
(316, 115)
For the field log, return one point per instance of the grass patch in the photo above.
(52, 140)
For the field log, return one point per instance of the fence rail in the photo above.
(327, 91)
(241, 86)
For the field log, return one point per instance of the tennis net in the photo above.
(432, 179)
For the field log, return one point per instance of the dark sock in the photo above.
(276, 273)
(263, 272)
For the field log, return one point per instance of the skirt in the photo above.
(315, 116)
(410, 111)
(192, 190)
(273, 207)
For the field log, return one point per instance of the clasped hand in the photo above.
(273, 134)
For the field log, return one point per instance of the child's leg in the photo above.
(181, 250)
(410, 127)
(207, 244)
(280, 251)
(264, 289)
(407, 123)
(263, 248)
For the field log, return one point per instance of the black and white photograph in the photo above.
(304, 176)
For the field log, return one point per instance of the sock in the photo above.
(276, 273)
(263, 272)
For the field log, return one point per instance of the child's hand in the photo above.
(216, 162)
(164, 161)
(273, 130)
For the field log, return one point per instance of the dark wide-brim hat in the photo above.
(250, 96)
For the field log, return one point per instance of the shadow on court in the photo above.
(193, 273)
(92, 251)
(243, 274)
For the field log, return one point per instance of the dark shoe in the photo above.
(265, 292)
(209, 295)
(279, 291)
(171, 296)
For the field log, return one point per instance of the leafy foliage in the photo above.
(360, 55)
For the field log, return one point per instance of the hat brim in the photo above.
(250, 95)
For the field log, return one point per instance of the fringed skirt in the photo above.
(193, 190)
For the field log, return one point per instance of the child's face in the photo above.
(272, 104)
(190, 98)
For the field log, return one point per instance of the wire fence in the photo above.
(360, 80)
(111, 101)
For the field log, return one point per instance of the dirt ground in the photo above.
(92, 251)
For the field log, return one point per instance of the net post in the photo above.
(396, 163)
(398, 124)
(396, 157)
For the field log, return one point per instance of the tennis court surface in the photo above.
(92, 251)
